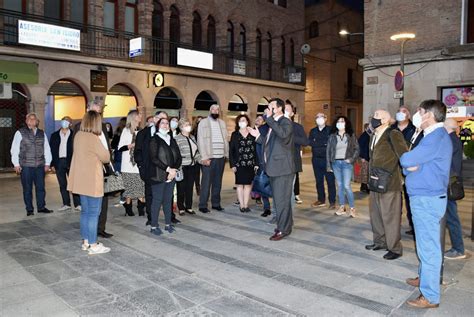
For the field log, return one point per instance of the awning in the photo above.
(18, 72)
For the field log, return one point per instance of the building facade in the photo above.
(334, 78)
(238, 54)
(438, 61)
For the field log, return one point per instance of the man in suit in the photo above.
(278, 148)
(61, 151)
(96, 106)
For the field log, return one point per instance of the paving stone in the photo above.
(124, 256)
(32, 231)
(196, 311)
(80, 291)
(8, 235)
(23, 292)
(50, 239)
(235, 305)
(53, 272)
(29, 258)
(88, 265)
(7, 263)
(157, 271)
(156, 301)
(113, 307)
(454, 302)
(194, 289)
(119, 281)
(66, 250)
(14, 276)
(42, 306)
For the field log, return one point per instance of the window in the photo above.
(314, 29)
(15, 5)
(292, 52)
(243, 41)
(283, 52)
(211, 33)
(79, 11)
(258, 53)
(197, 30)
(230, 36)
(157, 33)
(175, 34)
(53, 9)
(350, 83)
(270, 55)
(131, 16)
(110, 13)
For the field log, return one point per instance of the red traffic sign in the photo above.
(399, 79)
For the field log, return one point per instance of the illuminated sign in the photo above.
(48, 35)
(196, 59)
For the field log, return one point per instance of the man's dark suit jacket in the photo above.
(55, 142)
(142, 152)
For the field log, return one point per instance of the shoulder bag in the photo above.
(113, 181)
(455, 188)
(380, 177)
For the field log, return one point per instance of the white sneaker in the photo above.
(298, 200)
(98, 248)
(78, 208)
(352, 212)
(64, 208)
(85, 246)
(341, 211)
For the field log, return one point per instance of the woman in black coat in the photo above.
(165, 160)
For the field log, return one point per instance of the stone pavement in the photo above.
(217, 264)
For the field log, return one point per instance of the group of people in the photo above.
(413, 157)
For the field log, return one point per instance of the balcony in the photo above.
(114, 45)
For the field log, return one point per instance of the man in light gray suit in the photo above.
(278, 147)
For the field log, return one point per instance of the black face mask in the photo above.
(375, 123)
(214, 116)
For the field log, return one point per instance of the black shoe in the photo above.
(147, 223)
(141, 208)
(45, 211)
(248, 209)
(190, 211)
(128, 209)
(218, 208)
(105, 235)
(391, 255)
(266, 213)
(242, 209)
(30, 213)
(204, 210)
(174, 220)
(410, 232)
(375, 247)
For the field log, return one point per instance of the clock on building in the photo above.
(159, 80)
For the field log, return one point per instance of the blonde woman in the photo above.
(134, 186)
(86, 178)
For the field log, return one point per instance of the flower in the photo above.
(450, 100)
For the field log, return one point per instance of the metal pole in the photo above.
(402, 68)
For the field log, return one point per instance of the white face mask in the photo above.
(320, 121)
(242, 125)
(417, 120)
(400, 116)
(187, 129)
(287, 114)
(164, 131)
(341, 125)
(173, 125)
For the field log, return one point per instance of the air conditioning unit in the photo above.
(6, 91)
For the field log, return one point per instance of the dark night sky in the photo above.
(355, 4)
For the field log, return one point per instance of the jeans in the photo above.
(343, 173)
(320, 172)
(454, 225)
(212, 177)
(185, 187)
(427, 212)
(266, 203)
(30, 176)
(90, 217)
(162, 196)
(62, 171)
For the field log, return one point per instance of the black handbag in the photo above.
(113, 181)
(455, 189)
(261, 184)
(380, 177)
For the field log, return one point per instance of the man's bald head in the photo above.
(384, 115)
(451, 125)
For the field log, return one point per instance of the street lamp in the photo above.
(347, 33)
(404, 37)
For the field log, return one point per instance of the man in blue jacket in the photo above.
(427, 175)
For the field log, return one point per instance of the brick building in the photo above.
(438, 61)
(252, 46)
(334, 78)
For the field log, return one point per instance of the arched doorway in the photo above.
(65, 98)
(12, 117)
(202, 104)
(168, 100)
(119, 101)
(262, 105)
(237, 105)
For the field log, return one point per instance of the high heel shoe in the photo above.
(141, 208)
(128, 209)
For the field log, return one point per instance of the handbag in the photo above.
(455, 189)
(261, 184)
(113, 181)
(380, 177)
(179, 175)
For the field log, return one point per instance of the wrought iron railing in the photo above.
(112, 44)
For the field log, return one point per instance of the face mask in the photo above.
(164, 131)
(64, 124)
(375, 123)
(151, 124)
(320, 121)
(173, 125)
(242, 125)
(417, 120)
(287, 114)
(187, 129)
(341, 125)
(214, 116)
(400, 116)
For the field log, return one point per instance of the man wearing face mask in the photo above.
(214, 148)
(300, 139)
(386, 146)
(61, 152)
(427, 170)
(318, 140)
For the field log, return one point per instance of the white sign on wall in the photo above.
(192, 58)
(48, 35)
(239, 67)
(137, 45)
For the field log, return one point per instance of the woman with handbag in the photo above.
(190, 156)
(134, 185)
(341, 153)
(243, 160)
(165, 160)
(86, 178)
